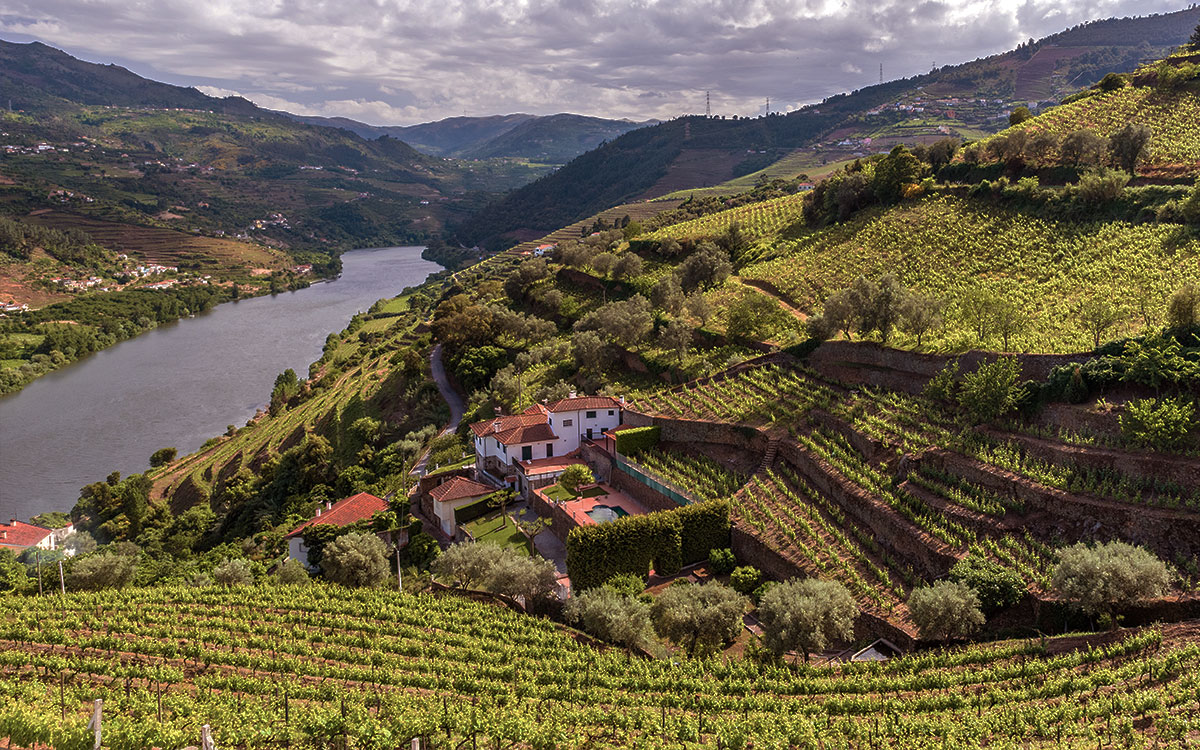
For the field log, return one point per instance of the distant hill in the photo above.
(553, 139)
(699, 152)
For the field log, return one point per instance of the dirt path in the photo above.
(451, 396)
(763, 287)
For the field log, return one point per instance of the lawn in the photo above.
(461, 464)
(558, 493)
(492, 529)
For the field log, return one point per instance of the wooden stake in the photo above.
(97, 716)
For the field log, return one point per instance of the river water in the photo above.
(177, 385)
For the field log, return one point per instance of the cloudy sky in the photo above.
(398, 62)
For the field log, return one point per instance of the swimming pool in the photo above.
(606, 513)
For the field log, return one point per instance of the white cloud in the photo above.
(403, 61)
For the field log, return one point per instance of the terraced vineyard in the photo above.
(318, 667)
(814, 533)
(701, 477)
(758, 395)
(1045, 266)
(907, 423)
(756, 220)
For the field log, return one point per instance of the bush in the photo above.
(991, 390)
(1102, 186)
(576, 475)
(233, 573)
(704, 526)
(944, 385)
(1161, 424)
(721, 561)
(356, 559)
(611, 617)
(703, 616)
(627, 545)
(162, 456)
(632, 441)
(14, 576)
(626, 584)
(1109, 577)
(292, 573)
(467, 565)
(996, 586)
(1183, 309)
(945, 610)
(102, 571)
(805, 615)
(745, 579)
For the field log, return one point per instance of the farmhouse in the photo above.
(545, 430)
(360, 507)
(17, 536)
(451, 495)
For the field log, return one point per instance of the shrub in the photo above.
(703, 616)
(1109, 577)
(233, 573)
(14, 576)
(1183, 309)
(991, 390)
(632, 441)
(704, 526)
(944, 385)
(611, 616)
(1102, 186)
(805, 615)
(996, 586)
(531, 579)
(721, 561)
(745, 579)
(626, 584)
(945, 610)
(102, 571)
(574, 476)
(162, 456)
(1161, 424)
(635, 543)
(356, 559)
(467, 565)
(292, 573)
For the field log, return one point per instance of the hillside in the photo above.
(970, 101)
(394, 667)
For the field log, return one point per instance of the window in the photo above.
(549, 450)
(590, 415)
(526, 452)
(568, 422)
(610, 412)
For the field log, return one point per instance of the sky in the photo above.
(400, 62)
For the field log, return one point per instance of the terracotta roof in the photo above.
(580, 403)
(458, 488)
(533, 433)
(345, 512)
(21, 535)
(531, 416)
(539, 466)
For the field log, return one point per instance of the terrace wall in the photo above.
(650, 498)
(869, 363)
(561, 522)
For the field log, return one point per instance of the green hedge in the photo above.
(633, 544)
(705, 527)
(637, 439)
(468, 513)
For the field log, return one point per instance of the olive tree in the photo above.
(1097, 315)
(1128, 145)
(806, 615)
(1107, 578)
(612, 617)
(919, 315)
(532, 579)
(102, 571)
(945, 610)
(356, 559)
(233, 572)
(698, 616)
(467, 565)
(292, 573)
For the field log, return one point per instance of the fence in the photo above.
(659, 485)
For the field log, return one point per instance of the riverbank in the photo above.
(179, 384)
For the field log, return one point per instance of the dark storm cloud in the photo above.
(402, 61)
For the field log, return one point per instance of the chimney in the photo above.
(318, 512)
(622, 401)
(496, 426)
(572, 394)
(328, 505)
(496, 410)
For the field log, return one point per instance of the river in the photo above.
(177, 385)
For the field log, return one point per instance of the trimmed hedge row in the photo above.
(635, 544)
(637, 439)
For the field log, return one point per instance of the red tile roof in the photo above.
(458, 488)
(580, 403)
(531, 416)
(21, 535)
(539, 466)
(345, 512)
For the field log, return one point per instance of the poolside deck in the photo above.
(578, 508)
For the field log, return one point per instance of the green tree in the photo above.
(1107, 578)
(806, 615)
(575, 476)
(1097, 315)
(1183, 309)
(1008, 319)
(611, 617)
(356, 559)
(233, 572)
(287, 387)
(626, 323)
(942, 152)
(919, 315)
(533, 580)
(1019, 115)
(467, 565)
(894, 172)
(996, 586)
(1082, 148)
(14, 576)
(1128, 145)
(698, 307)
(1194, 39)
(629, 266)
(1160, 424)
(753, 317)
(841, 312)
(698, 616)
(163, 456)
(945, 610)
(1156, 360)
(705, 268)
(292, 573)
(102, 571)
(1112, 82)
(990, 391)
(676, 337)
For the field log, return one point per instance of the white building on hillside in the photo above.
(545, 430)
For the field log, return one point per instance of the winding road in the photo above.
(449, 394)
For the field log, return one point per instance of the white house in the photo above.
(449, 496)
(18, 536)
(351, 510)
(545, 430)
